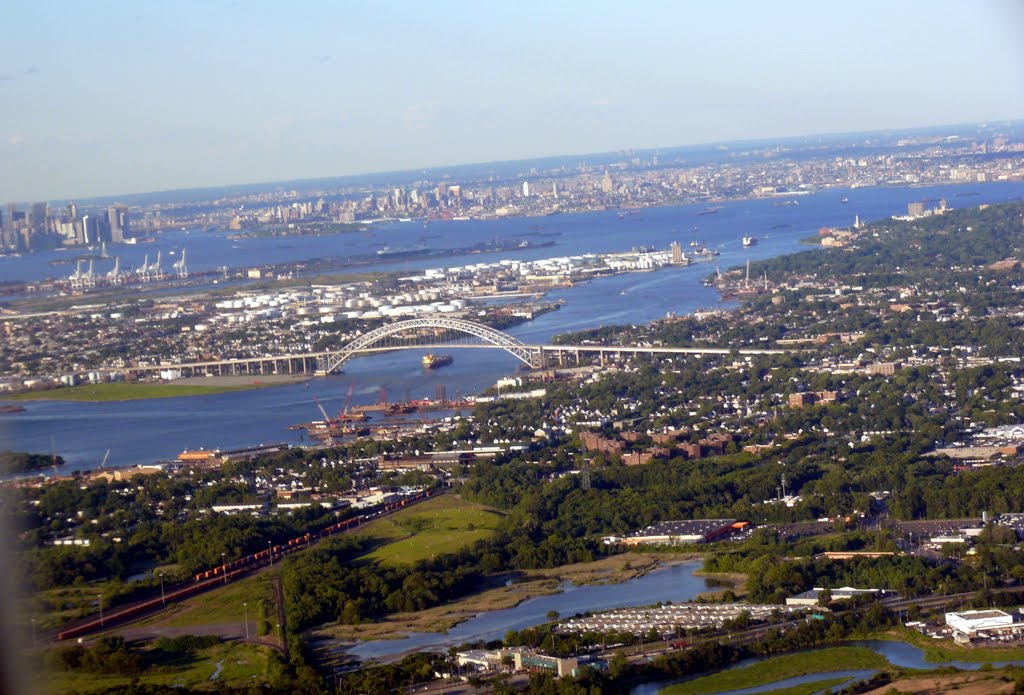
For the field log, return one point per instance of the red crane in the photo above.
(348, 401)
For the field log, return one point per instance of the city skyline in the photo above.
(193, 96)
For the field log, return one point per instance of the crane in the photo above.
(143, 271)
(348, 401)
(179, 267)
(114, 277)
(327, 418)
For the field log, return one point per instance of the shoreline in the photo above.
(116, 392)
(535, 584)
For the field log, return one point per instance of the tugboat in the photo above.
(432, 361)
(749, 241)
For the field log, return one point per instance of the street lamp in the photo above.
(270, 552)
(163, 598)
(245, 607)
(99, 600)
(223, 566)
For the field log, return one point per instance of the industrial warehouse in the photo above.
(682, 532)
(988, 624)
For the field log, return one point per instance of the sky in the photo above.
(112, 97)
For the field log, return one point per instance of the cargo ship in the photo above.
(432, 361)
(402, 250)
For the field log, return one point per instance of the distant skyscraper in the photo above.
(117, 219)
(915, 209)
(37, 218)
(606, 182)
(554, 189)
(526, 189)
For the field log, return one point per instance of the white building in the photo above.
(812, 596)
(983, 623)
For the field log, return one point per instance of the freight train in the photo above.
(230, 571)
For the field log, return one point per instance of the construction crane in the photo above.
(348, 401)
(328, 423)
(327, 418)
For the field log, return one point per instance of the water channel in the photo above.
(674, 583)
(901, 654)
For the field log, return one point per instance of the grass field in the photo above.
(223, 605)
(120, 391)
(782, 667)
(240, 664)
(440, 525)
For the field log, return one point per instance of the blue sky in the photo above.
(108, 97)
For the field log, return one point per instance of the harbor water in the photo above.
(145, 431)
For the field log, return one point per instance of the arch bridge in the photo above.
(427, 333)
(430, 332)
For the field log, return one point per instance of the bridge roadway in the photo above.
(309, 363)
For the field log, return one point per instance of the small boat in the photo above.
(844, 201)
(749, 241)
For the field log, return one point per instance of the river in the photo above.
(145, 431)
(901, 654)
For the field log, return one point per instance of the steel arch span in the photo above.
(527, 354)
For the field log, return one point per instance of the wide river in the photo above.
(145, 431)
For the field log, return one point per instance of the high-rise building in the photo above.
(117, 219)
(526, 189)
(89, 232)
(915, 209)
(606, 182)
(37, 218)
(677, 253)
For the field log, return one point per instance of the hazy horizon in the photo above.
(200, 95)
(458, 165)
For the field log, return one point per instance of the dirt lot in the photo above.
(962, 684)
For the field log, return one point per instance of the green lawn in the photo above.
(224, 605)
(440, 525)
(241, 664)
(54, 607)
(780, 668)
(121, 391)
